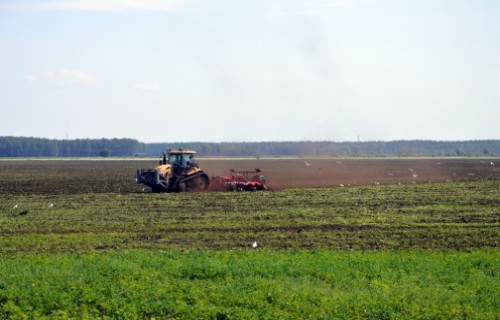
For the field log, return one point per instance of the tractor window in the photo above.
(174, 159)
(187, 158)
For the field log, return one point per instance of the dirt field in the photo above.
(118, 176)
(299, 173)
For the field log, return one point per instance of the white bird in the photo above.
(15, 206)
(51, 205)
(411, 170)
(341, 185)
(254, 244)
(415, 175)
(307, 163)
(491, 163)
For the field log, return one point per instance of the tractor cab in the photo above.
(179, 160)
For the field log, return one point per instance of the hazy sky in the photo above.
(250, 70)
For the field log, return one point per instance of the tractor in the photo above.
(176, 172)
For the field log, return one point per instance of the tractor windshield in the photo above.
(184, 159)
(188, 159)
(174, 159)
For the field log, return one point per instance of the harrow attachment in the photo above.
(239, 181)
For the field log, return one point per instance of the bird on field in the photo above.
(307, 164)
(491, 163)
(415, 175)
(51, 205)
(254, 244)
(15, 206)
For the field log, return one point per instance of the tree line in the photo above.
(402, 148)
(41, 147)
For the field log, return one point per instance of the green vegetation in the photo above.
(252, 284)
(459, 216)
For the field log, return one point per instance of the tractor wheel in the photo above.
(182, 187)
(201, 183)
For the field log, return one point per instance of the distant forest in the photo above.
(40, 147)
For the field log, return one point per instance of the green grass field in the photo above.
(252, 284)
(410, 251)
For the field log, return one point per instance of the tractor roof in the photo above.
(180, 151)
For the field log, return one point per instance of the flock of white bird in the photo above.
(414, 175)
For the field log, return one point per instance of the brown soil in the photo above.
(81, 176)
(298, 173)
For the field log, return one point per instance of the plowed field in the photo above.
(361, 204)
(118, 176)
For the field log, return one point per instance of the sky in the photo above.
(250, 70)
